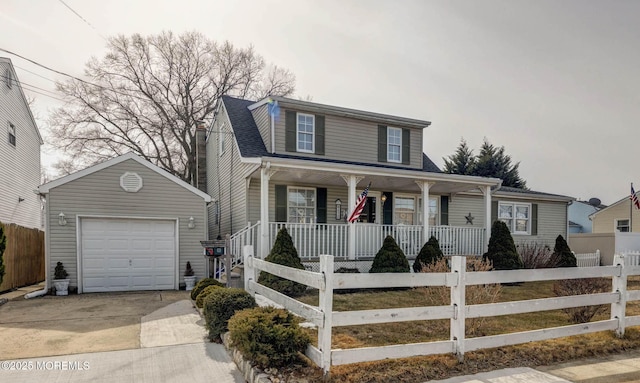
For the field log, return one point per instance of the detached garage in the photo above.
(124, 225)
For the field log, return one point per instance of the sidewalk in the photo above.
(20, 292)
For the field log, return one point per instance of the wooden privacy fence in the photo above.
(457, 279)
(23, 257)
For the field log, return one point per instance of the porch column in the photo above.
(352, 227)
(487, 215)
(265, 175)
(424, 185)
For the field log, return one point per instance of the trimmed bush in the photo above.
(220, 305)
(537, 256)
(347, 270)
(390, 258)
(430, 253)
(268, 336)
(205, 293)
(197, 289)
(3, 245)
(562, 252)
(502, 250)
(283, 253)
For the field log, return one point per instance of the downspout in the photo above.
(39, 293)
(273, 131)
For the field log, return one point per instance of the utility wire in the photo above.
(34, 73)
(83, 19)
(28, 87)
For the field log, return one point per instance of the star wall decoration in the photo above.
(469, 218)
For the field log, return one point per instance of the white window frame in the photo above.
(314, 216)
(415, 207)
(313, 133)
(11, 132)
(514, 206)
(398, 145)
(419, 212)
(222, 140)
(617, 225)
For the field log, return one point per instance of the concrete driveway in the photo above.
(50, 325)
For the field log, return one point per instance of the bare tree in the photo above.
(146, 94)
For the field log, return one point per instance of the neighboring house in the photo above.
(20, 142)
(285, 162)
(616, 218)
(579, 212)
(124, 224)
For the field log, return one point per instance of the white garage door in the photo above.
(127, 254)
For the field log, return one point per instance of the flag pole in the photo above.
(631, 210)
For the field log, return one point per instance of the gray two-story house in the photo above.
(284, 162)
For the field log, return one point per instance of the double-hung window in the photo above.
(622, 225)
(433, 211)
(305, 133)
(301, 205)
(12, 134)
(404, 210)
(394, 144)
(517, 216)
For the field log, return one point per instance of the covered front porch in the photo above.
(312, 199)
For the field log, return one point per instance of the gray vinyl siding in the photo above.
(261, 117)
(461, 205)
(225, 181)
(349, 139)
(20, 170)
(100, 194)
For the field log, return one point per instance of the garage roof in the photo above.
(129, 156)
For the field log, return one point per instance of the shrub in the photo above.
(390, 258)
(567, 287)
(561, 250)
(430, 253)
(268, 336)
(475, 294)
(220, 305)
(501, 250)
(283, 253)
(59, 272)
(188, 271)
(205, 293)
(3, 245)
(537, 256)
(347, 270)
(197, 289)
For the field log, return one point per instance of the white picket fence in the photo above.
(457, 279)
(588, 259)
(632, 258)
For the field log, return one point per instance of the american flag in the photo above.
(360, 202)
(634, 198)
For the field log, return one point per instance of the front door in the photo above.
(368, 214)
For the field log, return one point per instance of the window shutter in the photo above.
(387, 209)
(321, 205)
(444, 210)
(281, 203)
(319, 134)
(382, 143)
(290, 124)
(494, 211)
(534, 219)
(406, 146)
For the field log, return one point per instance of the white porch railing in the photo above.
(247, 236)
(311, 240)
(588, 259)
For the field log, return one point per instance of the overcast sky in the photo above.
(555, 82)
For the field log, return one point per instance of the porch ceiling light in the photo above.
(62, 221)
(338, 209)
(192, 223)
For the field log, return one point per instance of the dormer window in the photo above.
(394, 145)
(305, 133)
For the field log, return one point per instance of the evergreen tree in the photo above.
(430, 253)
(461, 162)
(3, 245)
(283, 253)
(390, 258)
(493, 162)
(502, 250)
(562, 252)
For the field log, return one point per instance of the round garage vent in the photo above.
(130, 182)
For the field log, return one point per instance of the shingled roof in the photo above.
(251, 144)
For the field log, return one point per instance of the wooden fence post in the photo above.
(326, 306)
(458, 266)
(618, 309)
(249, 270)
